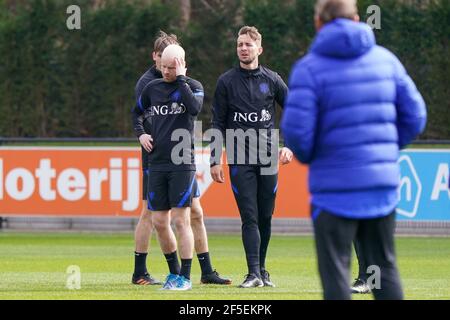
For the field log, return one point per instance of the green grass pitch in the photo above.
(33, 266)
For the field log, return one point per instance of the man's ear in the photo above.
(317, 23)
(356, 18)
(260, 50)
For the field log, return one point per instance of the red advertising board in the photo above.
(97, 181)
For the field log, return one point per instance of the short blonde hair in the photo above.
(173, 51)
(328, 10)
(252, 32)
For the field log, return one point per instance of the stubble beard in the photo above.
(247, 62)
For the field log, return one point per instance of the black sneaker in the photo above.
(265, 276)
(251, 281)
(214, 278)
(360, 286)
(145, 280)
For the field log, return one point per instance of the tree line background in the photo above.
(56, 82)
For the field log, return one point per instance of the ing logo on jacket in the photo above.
(164, 110)
(252, 116)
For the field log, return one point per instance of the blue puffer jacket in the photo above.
(351, 106)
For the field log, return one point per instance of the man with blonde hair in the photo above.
(245, 101)
(172, 103)
(350, 108)
(144, 227)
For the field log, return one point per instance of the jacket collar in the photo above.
(249, 73)
(155, 72)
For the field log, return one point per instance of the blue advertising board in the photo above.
(424, 190)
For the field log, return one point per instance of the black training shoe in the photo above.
(251, 281)
(265, 276)
(360, 286)
(214, 278)
(145, 280)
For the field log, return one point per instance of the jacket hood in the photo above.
(343, 38)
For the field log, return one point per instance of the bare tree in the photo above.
(185, 11)
(97, 4)
(11, 5)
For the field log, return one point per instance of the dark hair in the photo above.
(163, 40)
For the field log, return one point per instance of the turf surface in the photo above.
(33, 266)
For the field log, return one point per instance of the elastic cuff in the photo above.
(140, 133)
(181, 78)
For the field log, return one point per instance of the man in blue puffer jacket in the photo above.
(351, 107)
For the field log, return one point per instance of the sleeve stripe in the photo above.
(140, 103)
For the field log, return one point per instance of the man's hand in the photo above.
(146, 141)
(286, 155)
(180, 67)
(217, 173)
